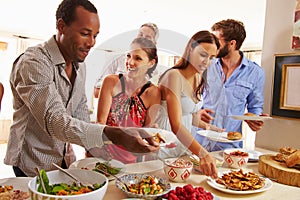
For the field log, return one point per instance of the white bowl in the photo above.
(234, 159)
(178, 173)
(136, 178)
(57, 176)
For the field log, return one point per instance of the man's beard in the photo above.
(224, 51)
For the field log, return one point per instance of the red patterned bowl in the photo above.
(178, 169)
(236, 158)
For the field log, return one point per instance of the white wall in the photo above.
(277, 132)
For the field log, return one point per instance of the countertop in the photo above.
(277, 192)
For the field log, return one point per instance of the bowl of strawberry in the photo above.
(189, 192)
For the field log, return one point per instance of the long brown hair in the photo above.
(184, 61)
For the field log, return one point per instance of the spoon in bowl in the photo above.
(78, 183)
(37, 170)
(108, 174)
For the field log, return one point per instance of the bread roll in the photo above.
(250, 114)
(293, 159)
(159, 138)
(233, 135)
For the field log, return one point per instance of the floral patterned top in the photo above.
(126, 111)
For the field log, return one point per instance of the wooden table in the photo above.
(277, 192)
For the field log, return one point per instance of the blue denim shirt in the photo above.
(243, 89)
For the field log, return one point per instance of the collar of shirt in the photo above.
(218, 63)
(56, 55)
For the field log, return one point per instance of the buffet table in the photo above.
(278, 191)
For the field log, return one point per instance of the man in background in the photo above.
(234, 83)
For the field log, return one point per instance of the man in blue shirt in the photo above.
(234, 84)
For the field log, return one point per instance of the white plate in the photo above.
(19, 183)
(143, 167)
(167, 135)
(217, 186)
(246, 117)
(216, 136)
(90, 163)
(253, 155)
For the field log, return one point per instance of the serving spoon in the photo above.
(37, 170)
(78, 183)
(108, 174)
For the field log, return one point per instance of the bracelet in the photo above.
(202, 153)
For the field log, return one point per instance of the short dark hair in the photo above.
(67, 9)
(231, 30)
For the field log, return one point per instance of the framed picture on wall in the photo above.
(286, 86)
(296, 31)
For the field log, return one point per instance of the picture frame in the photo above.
(286, 95)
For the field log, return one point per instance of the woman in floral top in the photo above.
(128, 99)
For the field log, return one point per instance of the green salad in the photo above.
(63, 188)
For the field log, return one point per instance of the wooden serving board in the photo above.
(278, 171)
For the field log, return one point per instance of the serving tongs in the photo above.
(78, 183)
(37, 170)
(108, 174)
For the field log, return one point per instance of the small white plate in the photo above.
(143, 167)
(211, 182)
(253, 155)
(253, 118)
(216, 136)
(90, 163)
(167, 135)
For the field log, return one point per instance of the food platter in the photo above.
(217, 136)
(89, 164)
(248, 117)
(137, 179)
(211, 182)
(18, 183)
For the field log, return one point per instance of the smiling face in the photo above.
(76, 40)
(201, 56)
(137, 61)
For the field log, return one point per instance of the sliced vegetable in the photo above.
(106, 166)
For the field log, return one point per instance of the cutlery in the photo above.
(108, 174)
(78, 183)
(37, 170)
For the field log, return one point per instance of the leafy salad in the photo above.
(64, 188)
